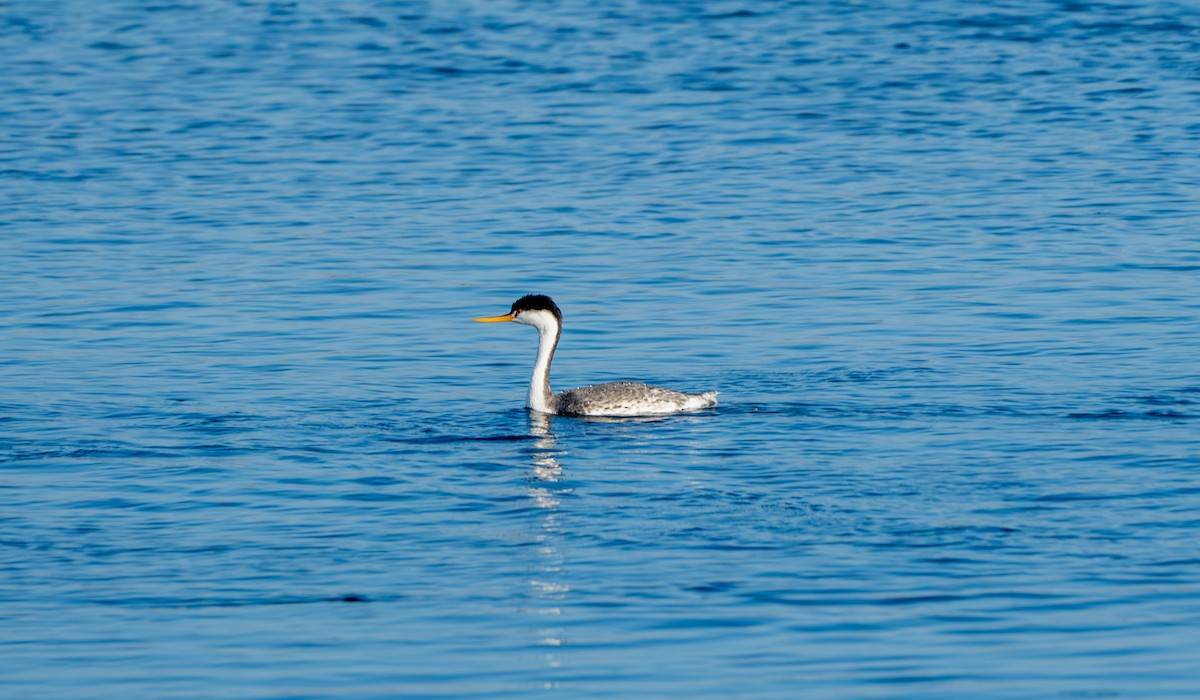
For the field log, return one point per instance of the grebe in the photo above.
(610, 399)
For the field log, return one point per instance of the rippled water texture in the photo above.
(941, 260)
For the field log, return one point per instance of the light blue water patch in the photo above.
(940, 260)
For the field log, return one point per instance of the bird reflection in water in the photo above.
(548, 589)
(546, 468)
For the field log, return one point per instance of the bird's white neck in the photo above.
(541, 398)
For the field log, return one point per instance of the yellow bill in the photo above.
(496, 319)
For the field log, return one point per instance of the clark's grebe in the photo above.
(610, 399)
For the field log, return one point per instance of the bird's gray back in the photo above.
(629, 399)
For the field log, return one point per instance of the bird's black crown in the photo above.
(536, 302)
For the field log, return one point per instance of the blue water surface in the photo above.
(941, 259)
